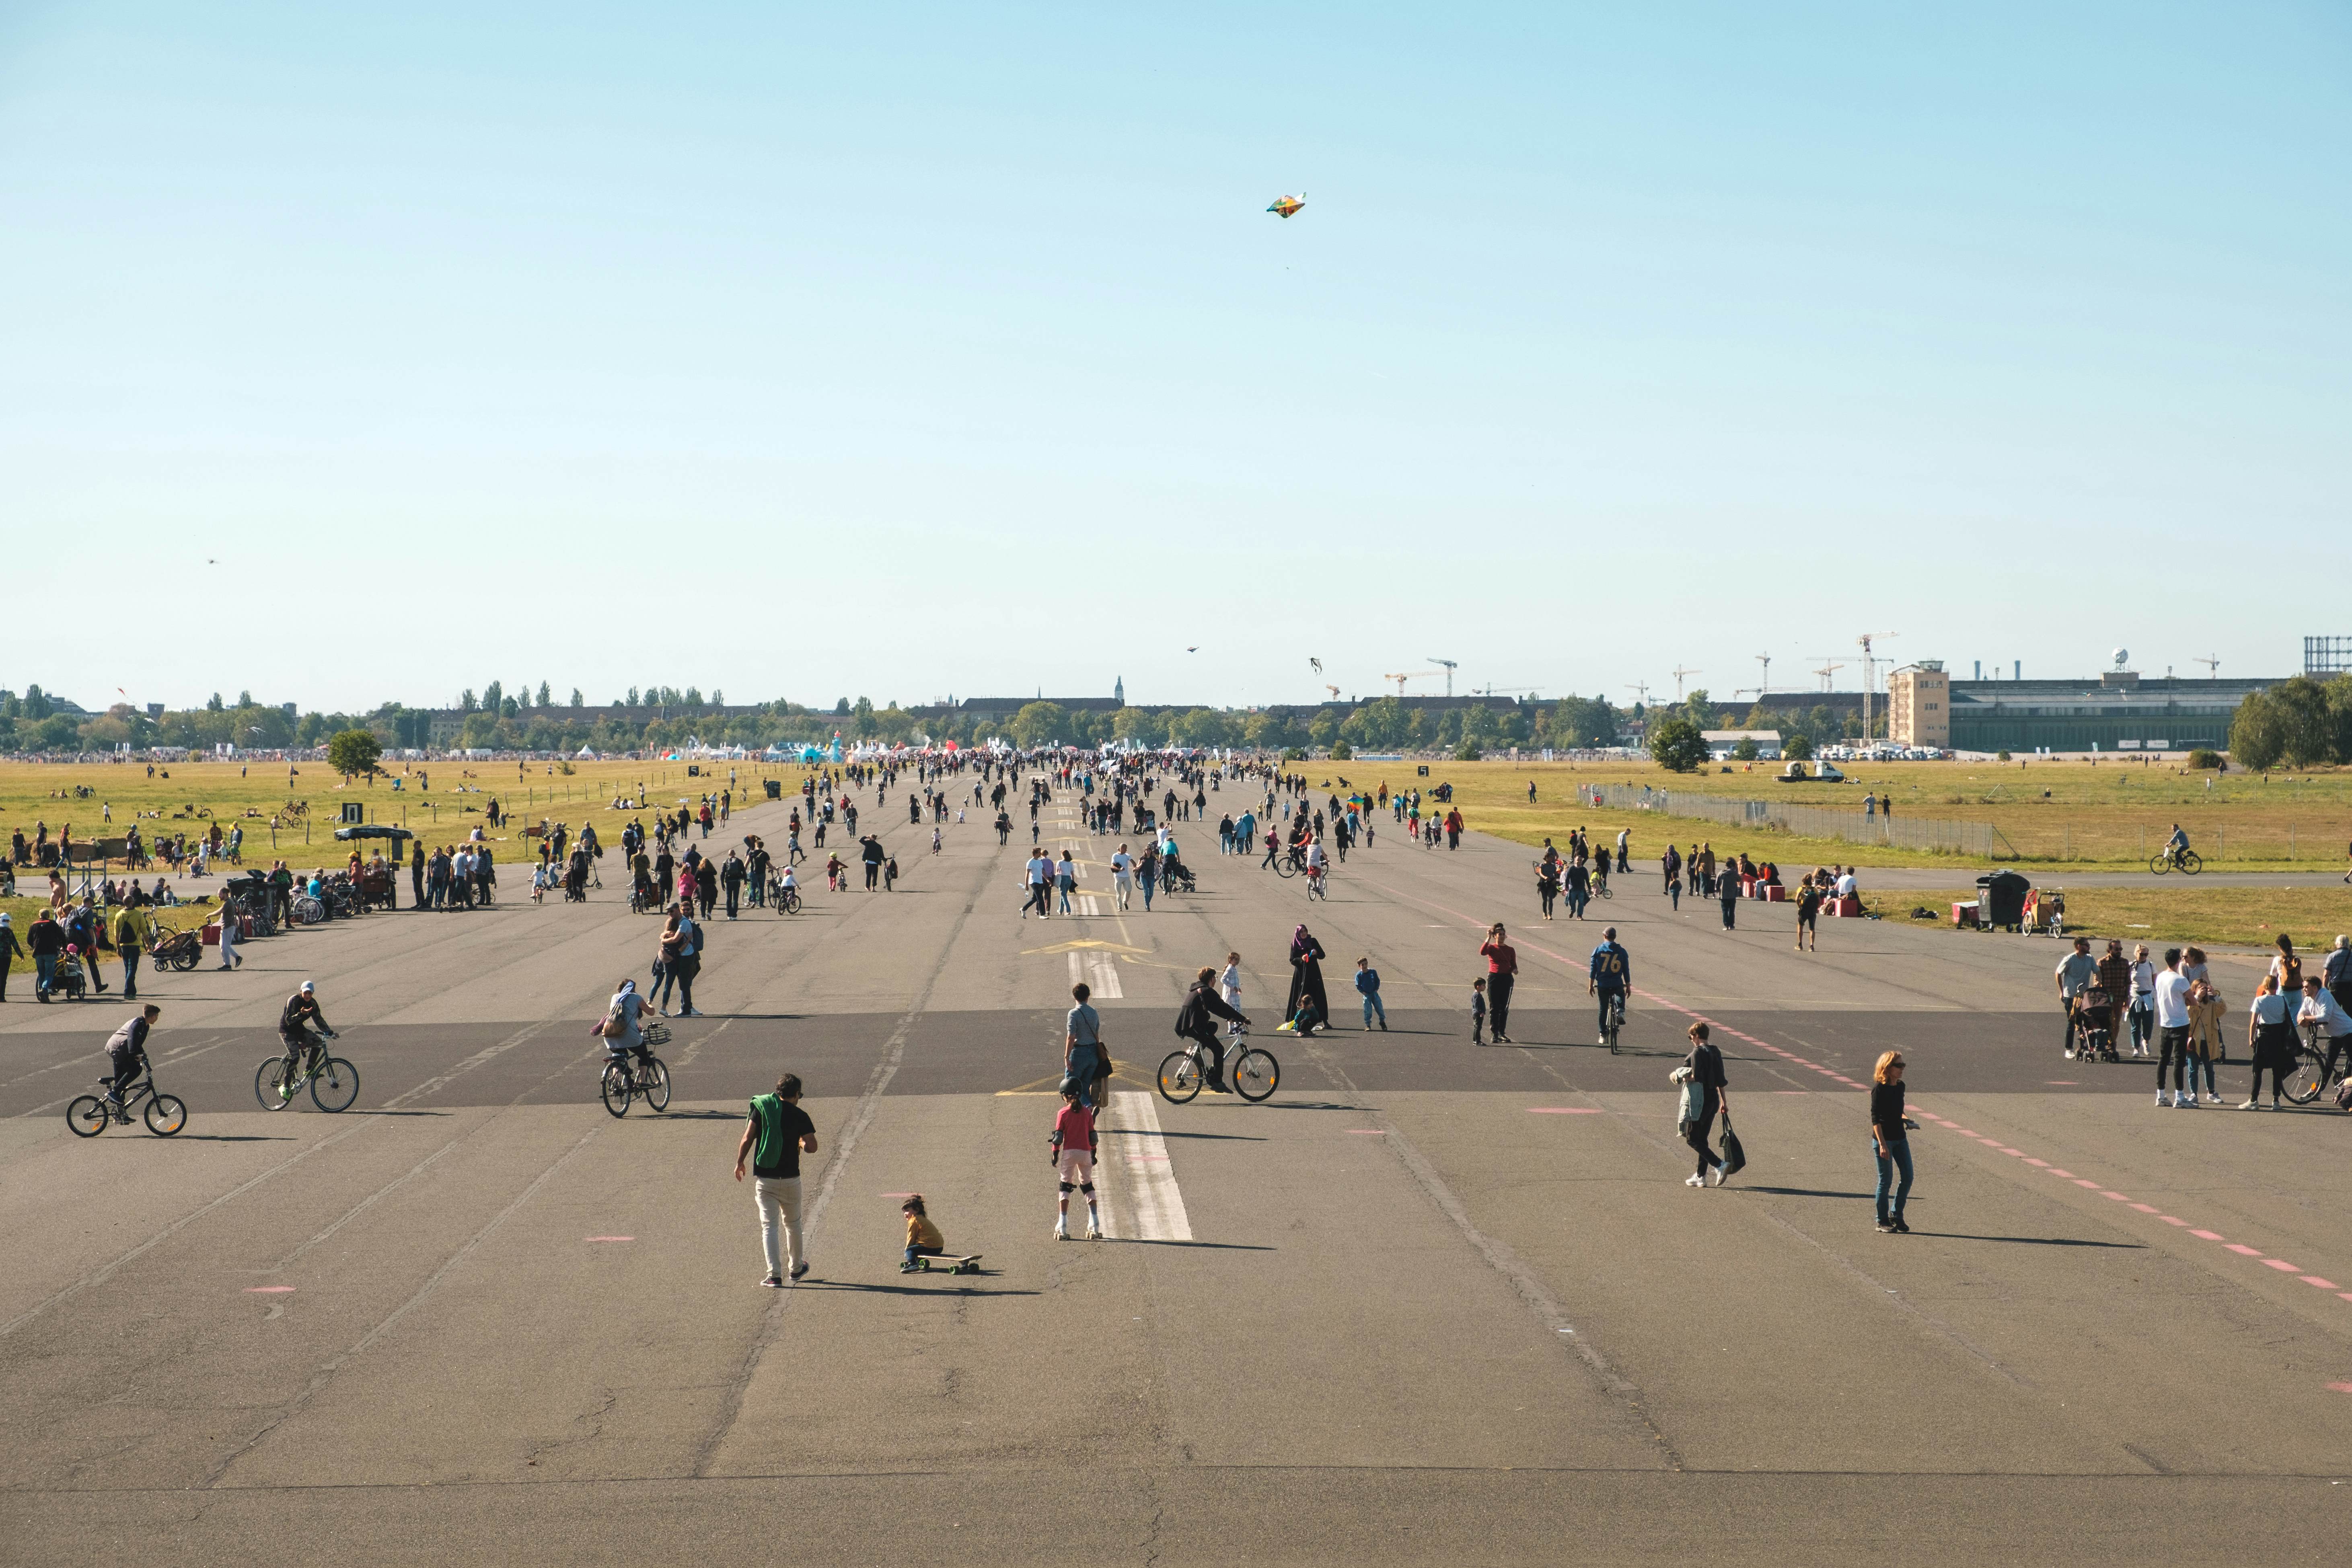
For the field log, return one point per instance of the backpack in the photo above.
(615, 1025)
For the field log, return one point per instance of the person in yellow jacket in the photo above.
(131, 929)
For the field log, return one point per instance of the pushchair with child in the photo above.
(2094, 1018)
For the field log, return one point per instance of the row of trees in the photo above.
(2300, 722)
(529, 719)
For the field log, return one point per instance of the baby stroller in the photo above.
(575, 882)
(69, 980)
(2094, 1038)
(1176, 877)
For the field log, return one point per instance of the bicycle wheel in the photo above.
(309, 911)
(1180, 1078)
(2191, 863)
(617, 1089)
(335, 1085)
(655, 1085)
(2306, 1078)
(167, 1114)
(274, 1083)
(87, 1116)
(1283, 868)
(791, 900)
(2159, 864)
(1605, 892)
(1257, 1075)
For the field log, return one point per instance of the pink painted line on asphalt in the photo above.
(2117, 1196)
(269, 1289)
(2173, 1219)
(2085, 1181)
(2282, 1265)
(2342, 1387)
(2315, 1280)
(2209, 1236)
(2242, 1250)
(2054, 1171)
(2145, 1208)
(2043, 1163)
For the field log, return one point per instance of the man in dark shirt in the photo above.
(1706, 1070)
(45, 941)
(297, 1020)
(778, 1133)
(872, 853)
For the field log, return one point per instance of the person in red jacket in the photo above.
(1072, 1148)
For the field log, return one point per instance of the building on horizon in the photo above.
(2116, 710)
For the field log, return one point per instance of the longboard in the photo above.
(969, 1264)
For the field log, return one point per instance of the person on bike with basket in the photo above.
(1197, 1022)
(2176, 848)
(295, 1025)
(126, 1057)
(1610, 976)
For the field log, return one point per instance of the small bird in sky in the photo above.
(1194, 648)
(209, 561)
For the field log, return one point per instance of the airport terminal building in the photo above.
(2114, 711)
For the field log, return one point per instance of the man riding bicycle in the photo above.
(1315, 863)
(126, 1054)
(2177, 846)
(1197, 1021)
(295, 1027)
(1611, 976)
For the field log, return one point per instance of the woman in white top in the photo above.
(2143, 1000)
(1230, 983)
(2269, 1034)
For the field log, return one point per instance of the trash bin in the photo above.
(775, 789)
(2002, 899)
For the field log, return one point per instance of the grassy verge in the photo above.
(440, 801)
(2102, 816)
(2211, 916)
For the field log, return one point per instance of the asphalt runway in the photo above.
(1432, 1303)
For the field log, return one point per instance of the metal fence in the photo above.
(1977, 838)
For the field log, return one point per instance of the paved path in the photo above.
(1432, 1303)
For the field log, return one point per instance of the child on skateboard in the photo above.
(923, 1237)
(1073, 1151)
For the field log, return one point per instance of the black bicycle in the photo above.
(2187, 862)
(165, 1114)
(2309, 1078)
(333, 1082)
(629, 1078)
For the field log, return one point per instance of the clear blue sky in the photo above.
(895, 351)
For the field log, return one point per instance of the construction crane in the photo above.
(1508, 686)
(1411, 675)
(2212, 666)
(1451, 665)
(1829, 667)
(1869, 674)
(1766, 660)
(1679, 672)
(1640, 689)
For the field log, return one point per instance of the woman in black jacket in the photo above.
(1706, 1070)
(1307, 981)
(1888, 1124)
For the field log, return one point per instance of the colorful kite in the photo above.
(1288, 205)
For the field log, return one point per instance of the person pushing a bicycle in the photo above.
(296, 1023)
(1610, 973)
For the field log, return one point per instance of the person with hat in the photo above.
(297, 1022)
(10, 951)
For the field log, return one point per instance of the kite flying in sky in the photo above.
(1286, 205)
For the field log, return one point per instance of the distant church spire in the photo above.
(1118, 691)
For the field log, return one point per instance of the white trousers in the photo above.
(779, 1197)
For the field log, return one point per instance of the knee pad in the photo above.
(1065, 1189)
(1087, 1188)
